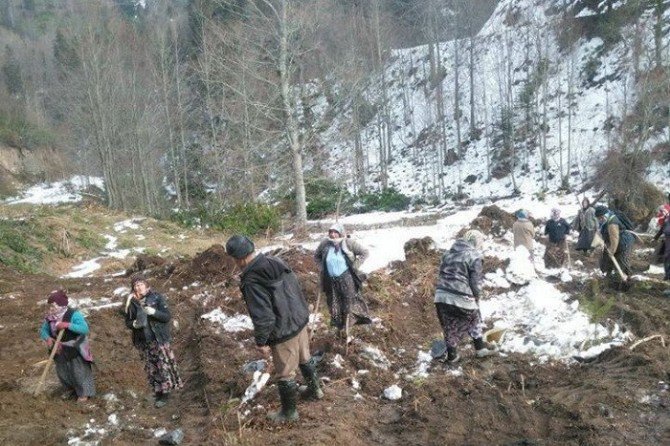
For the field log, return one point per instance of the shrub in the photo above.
(387, 200)
(243, 218)
(322, 197)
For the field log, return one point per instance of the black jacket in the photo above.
(156, 327)
(274, 299)
(557, 230)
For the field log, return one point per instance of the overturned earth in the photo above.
(621, 396)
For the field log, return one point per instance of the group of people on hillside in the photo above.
(147, 316)
(280, 314)
(596, 225)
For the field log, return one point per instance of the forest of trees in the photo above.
(221, 101)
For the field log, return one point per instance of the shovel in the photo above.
(40, 383)
(623, 275)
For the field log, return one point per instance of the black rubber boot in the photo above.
(312, 388)
(161, 399)
(484, 349)
(452, 355)
(288, 394)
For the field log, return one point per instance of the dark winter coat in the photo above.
(461, 270)
(274, 300)
(154, 327)
(354, 254)
(557, 230)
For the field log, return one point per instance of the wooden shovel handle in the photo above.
(623, 275)
(40, 383)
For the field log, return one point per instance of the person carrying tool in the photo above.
(618, 243)
(279, 314)
(457, 296)
(148, 316)
(339, 258)
(73, 353)
(664, 230)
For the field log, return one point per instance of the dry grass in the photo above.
(66, 235)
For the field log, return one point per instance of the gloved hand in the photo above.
(149, 310)
(62, 325)
(49, 342)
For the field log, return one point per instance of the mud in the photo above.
(619, 397)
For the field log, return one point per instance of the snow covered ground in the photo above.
(540, 319)
(67, 191)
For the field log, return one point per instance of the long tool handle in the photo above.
(623, 275)
(316, 312)
(40, 383)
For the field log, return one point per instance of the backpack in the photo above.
(623, 218)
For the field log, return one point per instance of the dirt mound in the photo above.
(500, 400)
(145, 262)
(498, 216)
(212, 265)
(418, 247)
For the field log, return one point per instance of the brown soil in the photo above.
(618, 398)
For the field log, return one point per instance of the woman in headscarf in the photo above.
(457, 296)
(524, 232)
(339, 258)
(148, 316)
(556, 228)
(587, 225)
(73, 353)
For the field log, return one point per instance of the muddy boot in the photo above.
(484, 349)
(451, 356)
(312, 388)
(161, 399)
(288, 394)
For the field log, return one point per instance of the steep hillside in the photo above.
(554, 83)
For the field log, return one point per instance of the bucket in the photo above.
(495, 335)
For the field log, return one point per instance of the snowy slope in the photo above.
(511, 34)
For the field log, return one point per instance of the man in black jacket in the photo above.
(279, 313)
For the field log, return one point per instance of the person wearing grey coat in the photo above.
(457, 296)
(339, 258)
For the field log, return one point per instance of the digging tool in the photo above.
(316, 311)
(597, 242)
(346, 336)
(40, 383)
(623, 275)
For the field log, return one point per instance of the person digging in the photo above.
(280, 315)
(457, 297)
(618, 245)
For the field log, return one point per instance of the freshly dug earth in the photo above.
(620, 397)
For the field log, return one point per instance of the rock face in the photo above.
(21, 164)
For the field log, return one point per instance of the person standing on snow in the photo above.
(457, 296)
(557, 229)
(617, 240)
(148, 316)
(73, 355)
(279, 313)
(587, 225)
(339, 258)
(664, 230)
(524, 232)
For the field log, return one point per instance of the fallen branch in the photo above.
(647, 339)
